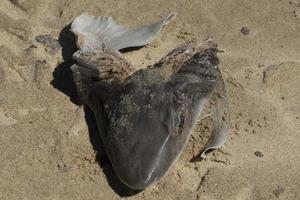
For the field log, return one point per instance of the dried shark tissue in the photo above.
(145, 117)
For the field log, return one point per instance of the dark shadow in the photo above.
(130, 49)
(63, 81)
(198, 157)
(62, 75)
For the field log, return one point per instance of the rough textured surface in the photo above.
(45, 147)
(146, 120)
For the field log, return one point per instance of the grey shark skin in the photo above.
(145, 117)
(146, 120)
(157, 131)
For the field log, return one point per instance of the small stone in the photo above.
(250, 122)
(245, 30)
(259, 154)
(278, 190)
(49, 42)
(45, 39)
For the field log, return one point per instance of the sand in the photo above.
(48, 151)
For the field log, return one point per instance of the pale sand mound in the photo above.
(46, 152)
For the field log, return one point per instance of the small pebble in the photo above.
(278, 190)
(250, 122)
(259, 154)
(245, 30)
(48, 41)
(45, 39)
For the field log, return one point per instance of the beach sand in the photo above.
(48, 151)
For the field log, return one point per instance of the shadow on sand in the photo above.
(63, 81)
